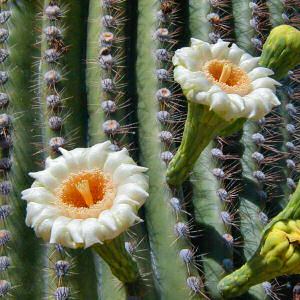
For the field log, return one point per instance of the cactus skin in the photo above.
(25, 251)
(207, 205)
(172, 278)
(278, 253)
(281, 51)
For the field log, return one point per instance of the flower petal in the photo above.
(60, 233)
(97, 155)
(124, 216)
(94, 232)
(138, 179)
(194, 57)
(260, 72)
(46, 179)
(43, 229)
(249, 64)
(38, 195)
(235, 54)
(259, 103)
(265, 82)
(36, 213)
(107, 220)
(114, 159)
(220, 50)
(133, 191)
(75, 230)
(195, 81)
(123, 171)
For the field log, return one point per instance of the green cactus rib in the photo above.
(287, 171)
(207, 205)
(73, 130)
(24, 249)
(278, 252)
(198, 11)
(276, 8)
(201, 126)
(170, 272)
(250, 203)
(110, 286)
(207, 209)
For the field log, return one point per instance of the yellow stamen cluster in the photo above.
(85, 194)
(229, 77)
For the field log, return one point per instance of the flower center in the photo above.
(229, 77)
(85, 194)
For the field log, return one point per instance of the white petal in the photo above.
(133, 191)
(80, 157)
(265, 82)
(38, 195)
(237, 103)
(43, 229)
(36, 213)
(59, 170)
(93, 232)
(138, 179)
(195, 81)
(97, 155)
(75, 159)
(107, 220)
(220, 50)
(249, 64)
(124, 216)
(46, 179)
(259, 72)
(235, 54)
(194, 57)
(245, 57)
(195, 42)
(259, 103)
(124, 199)
(124, 171)
(60, 233)
(114, 159)
(219, 102)
(75, 230)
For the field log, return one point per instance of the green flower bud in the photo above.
(281, 51)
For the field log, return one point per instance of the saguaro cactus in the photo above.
(80, 81)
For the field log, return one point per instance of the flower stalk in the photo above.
(121, 263)
(201, 126)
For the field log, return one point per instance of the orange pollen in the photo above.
(85, 194)
(229, 77)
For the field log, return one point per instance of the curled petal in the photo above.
(114, 159)
(60, 233)
(46, 179)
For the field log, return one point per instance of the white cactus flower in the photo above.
(225, 78)
(86, 196)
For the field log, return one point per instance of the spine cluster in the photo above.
(6, 144)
